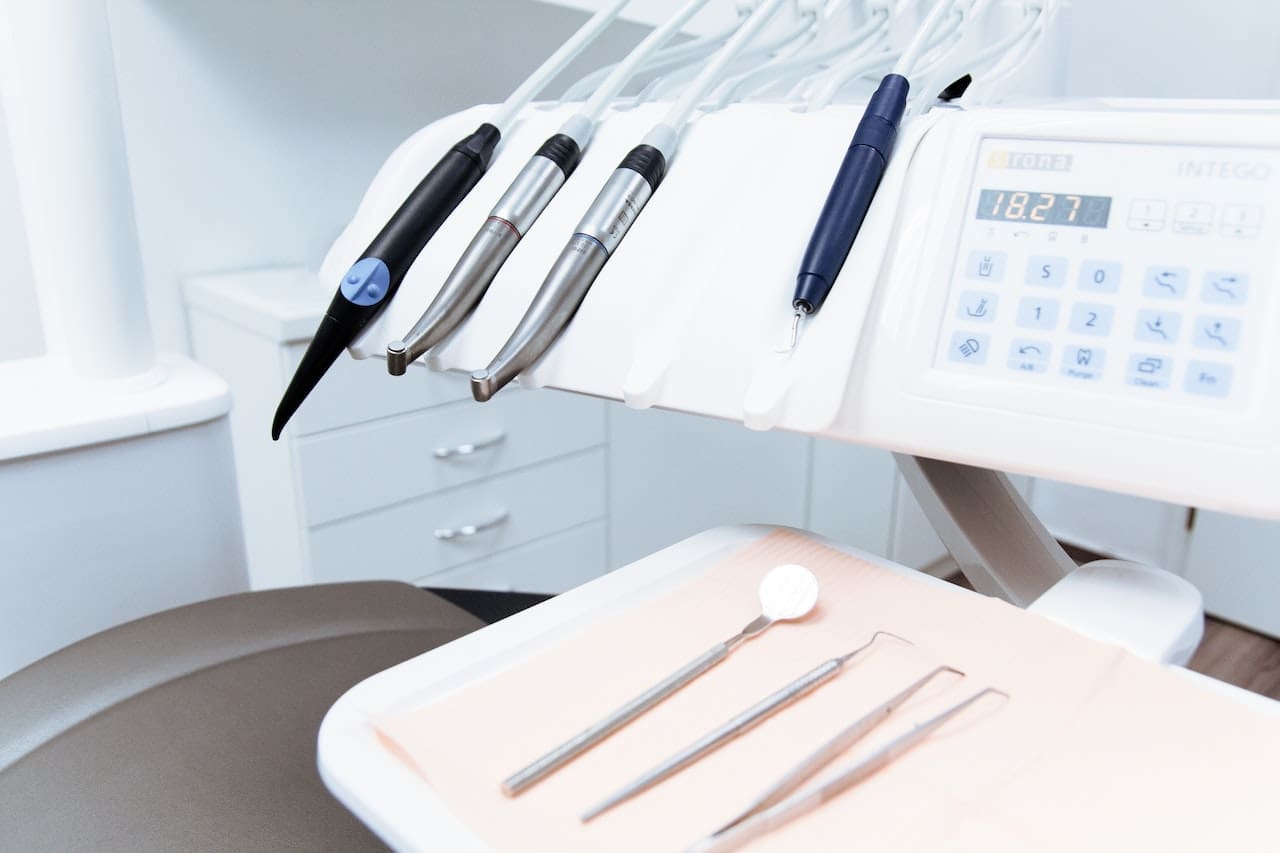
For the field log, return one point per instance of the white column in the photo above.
(59, 86)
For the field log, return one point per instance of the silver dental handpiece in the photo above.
(510, 219)
(606, 222)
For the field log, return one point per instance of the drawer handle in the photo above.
(446, 533)
(470, 447)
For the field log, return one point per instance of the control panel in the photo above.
(1127, 268)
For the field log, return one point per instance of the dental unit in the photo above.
(606, 223)
(519, 207)
(372, 281)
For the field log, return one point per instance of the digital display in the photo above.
(1085, 211)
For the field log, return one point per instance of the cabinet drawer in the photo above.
(407, 541)
(555, 563)
(390, 461)
(354, 391)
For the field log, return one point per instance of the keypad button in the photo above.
(1192, 217)
(1028, 355)
(1208, 379)
(1218, 333)
(986, 266)
(1038, 313)
(1147, 214)
(977, 306)
(1100, 276)
(1083, 362)
(1225, 288)
(1165, 282)
(969, 348)
(1157, 327)
(1149, 371)
(1046, 271)
(1091, 319)
(1241, 220)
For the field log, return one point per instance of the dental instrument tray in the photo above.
(1080, 280)
(419, 752)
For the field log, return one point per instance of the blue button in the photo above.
(1083, 362)
(1038, 313)
(1091, 319)
(367, 282)
(1100, 276)
(1046, 271)
(1220, 333)
(969, 347)
(1225, 288)
(1030, 356)
(1165, 282)
(1157, 327)
(986, 266)
(977, 306)
(1150, 371)
(1211, 380)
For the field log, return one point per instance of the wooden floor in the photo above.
(1228, 652)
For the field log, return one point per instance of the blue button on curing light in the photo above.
(367, 282)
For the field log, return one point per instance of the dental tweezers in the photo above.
(774, 808)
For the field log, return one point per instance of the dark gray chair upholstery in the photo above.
(195, 729)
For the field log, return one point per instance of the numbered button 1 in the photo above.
(1100, 276)
(1225, 288)
(986, 266)
(1046, 271)
(1157, 327)
(1165, 282)
(1038, 313)
(1217, 333)
(1090, 319)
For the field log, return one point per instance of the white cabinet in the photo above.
(1235, 562)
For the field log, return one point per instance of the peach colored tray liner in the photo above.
(1096, 749)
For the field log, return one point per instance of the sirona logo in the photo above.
(1224, 170)
(1029, 160)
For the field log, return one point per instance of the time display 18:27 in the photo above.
(1085, 211)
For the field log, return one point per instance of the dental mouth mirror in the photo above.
(788, 592)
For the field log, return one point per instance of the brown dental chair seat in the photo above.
(195, 728)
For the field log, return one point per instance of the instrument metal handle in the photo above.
(597, 732)
(470, 447)
(447, 533)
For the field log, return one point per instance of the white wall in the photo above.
(20, 332)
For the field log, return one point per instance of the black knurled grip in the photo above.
(563, 151)
(648, 162)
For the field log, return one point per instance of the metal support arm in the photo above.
(990, 530)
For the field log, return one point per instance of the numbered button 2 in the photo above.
(1100, 276)
(1091, 319)
(1038, 313)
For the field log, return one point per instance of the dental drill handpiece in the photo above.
(606, 222)
(523, 202)
(371, 282)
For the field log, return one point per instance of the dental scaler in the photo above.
(371, 282)
(612, 213)
(522, 204)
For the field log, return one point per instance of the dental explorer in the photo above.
(521, 205)
(856, 181)
(371, 282)
(787, 592)
(737, 725)
(606, 222)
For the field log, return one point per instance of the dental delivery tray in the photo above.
(1092, 742)
(1080, 291)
